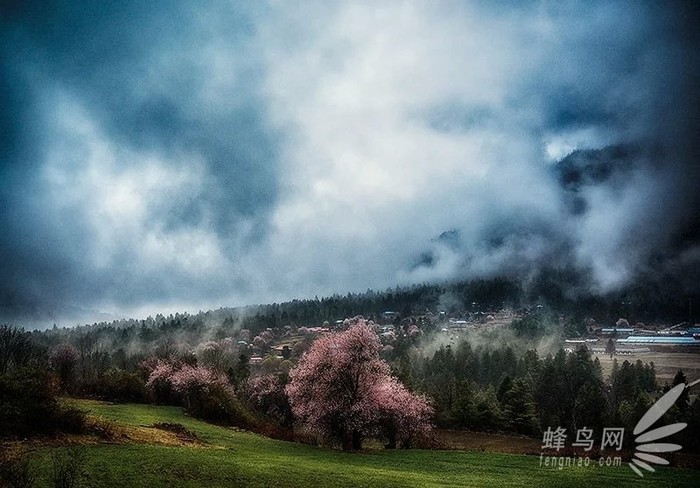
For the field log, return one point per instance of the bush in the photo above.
(118, 385)
(205, 393)
(15, 469)
(68, 467)
(218, 404)
(28, 406)
(63, 361)
(70, 420)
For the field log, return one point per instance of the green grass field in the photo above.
(233, 458)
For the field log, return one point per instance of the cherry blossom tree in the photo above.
(204, 392)
(344, 392)
(196, 383)
(622, 323)
(244, 335)
(266, 394)
(403, 416)
(414, 331)
(159, 383)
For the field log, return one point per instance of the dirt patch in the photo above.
(481, 441)
(99, 431)
(150, 434)
(182, 432)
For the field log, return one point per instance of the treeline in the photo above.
(132, 337)
(552, 291)
(486, 387)
(29, 402)
(495, 389)
(211, 384)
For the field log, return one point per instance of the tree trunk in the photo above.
(347, 441)
(356, 440)
(392, 441)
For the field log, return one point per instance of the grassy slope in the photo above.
(242, 459)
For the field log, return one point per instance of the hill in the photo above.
(226, 457)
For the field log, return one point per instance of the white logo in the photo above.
(646, 440)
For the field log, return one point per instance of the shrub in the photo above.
(204, 393)
(28, 406)
(70, 420)
(68, 467)
(118, 385)
(63, 361)
(15, 469)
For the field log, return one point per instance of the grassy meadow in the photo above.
(228, 457)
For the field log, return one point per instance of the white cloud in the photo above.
(125, 198)
(559, 145)
(396, 122)
(365, 169)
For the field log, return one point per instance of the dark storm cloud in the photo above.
(174, 155)
(634, 88)
(136, 67)
(137, 71)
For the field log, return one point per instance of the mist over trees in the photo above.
(29, 402)
(557, 292)
(389, 376)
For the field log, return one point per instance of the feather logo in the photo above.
(647, 439)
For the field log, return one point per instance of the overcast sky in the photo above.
(163, 156)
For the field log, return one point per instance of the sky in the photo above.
(171, 156)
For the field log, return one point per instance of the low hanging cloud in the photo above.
(164, 158)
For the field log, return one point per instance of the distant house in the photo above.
(390, 314)
(672, 341)
(616, 330)
(317, 330)
(458, 324)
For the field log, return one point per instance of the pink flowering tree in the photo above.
(204, 392)
(414, 332)
(197, 384)
(159, 384)
(403, 416)
(340, 385)
(266, 394)
(244, 335)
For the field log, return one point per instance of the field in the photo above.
(667, 363)
(218, 456)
